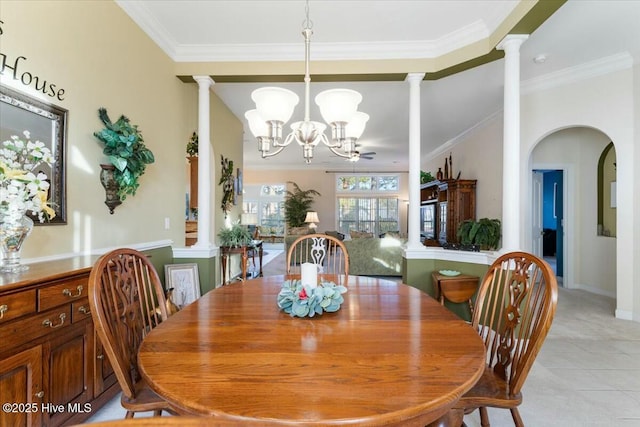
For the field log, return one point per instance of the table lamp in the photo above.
(312, 219)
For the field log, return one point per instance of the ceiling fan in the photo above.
(356, 155)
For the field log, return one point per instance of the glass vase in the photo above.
(12, 236)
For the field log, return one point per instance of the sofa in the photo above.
(375, 256)
(369, 256)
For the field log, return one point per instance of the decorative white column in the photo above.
(413, 242)
(205, 154)
(511, 161)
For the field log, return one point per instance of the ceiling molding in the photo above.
(330, 51)
(138, 11)
(588, 70)
(448, 145)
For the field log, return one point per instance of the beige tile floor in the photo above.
(586, 375)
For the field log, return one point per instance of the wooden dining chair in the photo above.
(127, 301)
(514, 309)
(326, 251)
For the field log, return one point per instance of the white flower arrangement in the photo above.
(22, 187)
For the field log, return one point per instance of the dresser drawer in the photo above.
(13, 306)
(80, 310)
(13, 334)
(62, 293)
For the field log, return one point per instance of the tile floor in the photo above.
(586, 375)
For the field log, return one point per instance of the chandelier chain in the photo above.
(307, 23)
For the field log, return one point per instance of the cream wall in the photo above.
(96, 53)
(325, 184)
(477, 155)
(226, 138)
(605, 103)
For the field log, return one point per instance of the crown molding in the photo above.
(457, 39)
(138, 12)
(448, 145)
(585, 71)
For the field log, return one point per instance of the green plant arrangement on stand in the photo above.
(485, 233)
(124, 146)
(235, 236)
(296, 205)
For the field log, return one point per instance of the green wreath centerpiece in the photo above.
(305, 301)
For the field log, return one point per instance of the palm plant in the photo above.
(297, 203)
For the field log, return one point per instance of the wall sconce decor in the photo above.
(110, 185)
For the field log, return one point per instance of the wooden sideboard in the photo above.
(52, 367)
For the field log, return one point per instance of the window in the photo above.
(268, 202)
(369, 206)
(372, 214)
(366, 183)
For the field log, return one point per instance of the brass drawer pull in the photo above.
(50, 324)
(3, 309)
(67, 292)
(84, 310)
(40, 394)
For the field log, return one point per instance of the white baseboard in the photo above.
(593, 290)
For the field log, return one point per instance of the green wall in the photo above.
(417, 273)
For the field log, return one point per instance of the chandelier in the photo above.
(338, 107)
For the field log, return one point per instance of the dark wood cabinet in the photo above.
(68, 365)
(21, 384)
(49, 357)
(454, 201)
(103, 376)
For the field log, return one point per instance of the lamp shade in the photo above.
(248, 219)
(312, 217)
(356, 125)
(275, 103)
(338, 105)
(257, 124)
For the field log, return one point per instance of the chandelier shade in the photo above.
(257, 125)
(275, 103)
(338, 107)
(355, 127)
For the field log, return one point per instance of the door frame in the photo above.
(568, 187)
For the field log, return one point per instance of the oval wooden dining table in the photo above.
(391, 355)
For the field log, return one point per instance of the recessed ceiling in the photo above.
(206, 34)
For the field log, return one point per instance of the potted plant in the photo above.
(485, 233)
(237, 235)
(296, 205)
(426, 177)
(123, 144)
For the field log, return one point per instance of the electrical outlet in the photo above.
(167, 223)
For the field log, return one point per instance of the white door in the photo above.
(536, 215)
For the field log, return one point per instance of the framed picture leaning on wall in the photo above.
(185, 282)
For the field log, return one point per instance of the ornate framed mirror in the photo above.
(48, 124)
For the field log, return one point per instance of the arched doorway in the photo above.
(589, 258)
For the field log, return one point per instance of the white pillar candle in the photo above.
(309, 274)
